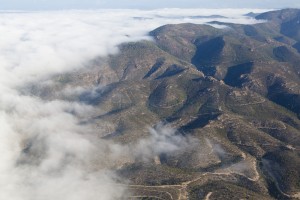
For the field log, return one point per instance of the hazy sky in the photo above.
(142, 4)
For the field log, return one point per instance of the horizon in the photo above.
(141, 9)
(33, 5)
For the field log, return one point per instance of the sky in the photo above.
(143, 4)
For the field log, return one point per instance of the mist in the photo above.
(46, 151)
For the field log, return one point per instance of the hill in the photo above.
(234, 91)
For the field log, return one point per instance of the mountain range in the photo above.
(233, 93)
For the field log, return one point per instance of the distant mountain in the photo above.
(208, 17)
(194, 17)
(235, 90)
(251, 14)
(288, 21)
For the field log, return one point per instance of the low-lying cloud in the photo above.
(46, 152)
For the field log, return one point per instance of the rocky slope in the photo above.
(235, 91)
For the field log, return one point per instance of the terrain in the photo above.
(233, 92)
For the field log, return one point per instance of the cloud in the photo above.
(46, 151)
(163, 140)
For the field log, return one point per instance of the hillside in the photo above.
(234, 91)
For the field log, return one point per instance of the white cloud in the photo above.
(163, 139)
(45, 152)
(37, 44)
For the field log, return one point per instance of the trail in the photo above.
(166, 107)
(208, 195)
(182, 189)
